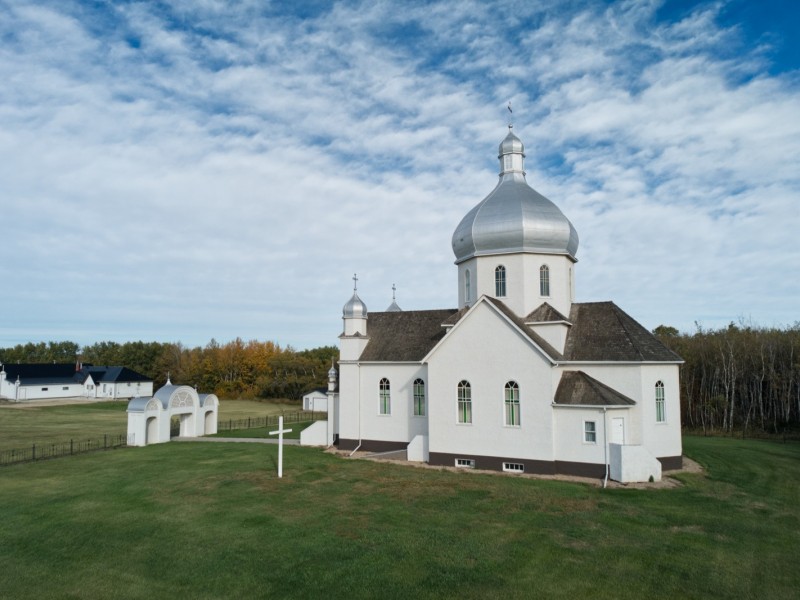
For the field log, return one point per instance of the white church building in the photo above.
(520, 377)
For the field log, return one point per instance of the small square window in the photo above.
(65, 388)
(590, 432)
(45, 389)
(513, 467)
(465, 463)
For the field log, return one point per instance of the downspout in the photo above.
(605, 447)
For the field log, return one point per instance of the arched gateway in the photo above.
(149, 418)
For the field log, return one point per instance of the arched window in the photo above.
(467, 287)
(419, 398)
(384, 397)
(464, 402)
(661, 413)
(544, 280)
(500, 281)
(512, 404)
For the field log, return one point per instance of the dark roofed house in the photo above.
(46, 381)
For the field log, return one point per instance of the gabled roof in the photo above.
(455, 317)
(545, 313)
(602, 331)
(576, 388)
(117, 374)
(43, 373)
(34, 373)
(405, 336)
(554, 354)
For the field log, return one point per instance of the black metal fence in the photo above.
(268, 421)
(59, 449)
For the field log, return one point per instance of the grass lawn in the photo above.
(198, 520)
(21, 427)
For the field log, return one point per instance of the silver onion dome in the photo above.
(355, 308)
(514, 217)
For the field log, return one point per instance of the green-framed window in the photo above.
(464, 402)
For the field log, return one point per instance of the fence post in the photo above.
(33, 452)
(105, 440)
(70, 446)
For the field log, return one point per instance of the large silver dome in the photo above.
(514, 217)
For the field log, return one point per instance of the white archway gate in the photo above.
(149, 418)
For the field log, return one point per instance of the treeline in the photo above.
(235, 369)
(739, 378)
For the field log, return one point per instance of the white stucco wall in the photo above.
(42, 391)
(484, 350)
(401, 424)
(570, 442)
(522, 281)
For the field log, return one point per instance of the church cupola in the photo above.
(515, 244)
(354, 313)
(332, 378)
(393, 307)
(512, 155)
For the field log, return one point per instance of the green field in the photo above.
(199, 520)
(41, 425)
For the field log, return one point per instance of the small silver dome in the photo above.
(393, 307)
(355, 308)
(514, 217)
(511, 145)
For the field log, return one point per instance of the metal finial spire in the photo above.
(510, 115)
(355, 282)
(394, 289)
(168, 380)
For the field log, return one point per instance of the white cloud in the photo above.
(204, 171)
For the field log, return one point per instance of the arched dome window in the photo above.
(544, 280)
(500, 281)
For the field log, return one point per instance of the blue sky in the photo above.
(192, 170)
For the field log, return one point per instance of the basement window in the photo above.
(65, 388)
(45, 389)
(465, 463)
(513, 467)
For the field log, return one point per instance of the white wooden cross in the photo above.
(280, 433)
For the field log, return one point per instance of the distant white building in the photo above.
(29, 381)
(519, 377)
(316, 400)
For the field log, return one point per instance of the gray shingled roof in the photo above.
(601, 331)
(405, 336)
(545, 313)
(578, 388)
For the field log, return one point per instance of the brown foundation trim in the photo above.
(537, 467)
(372, 445)
(671, 463)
